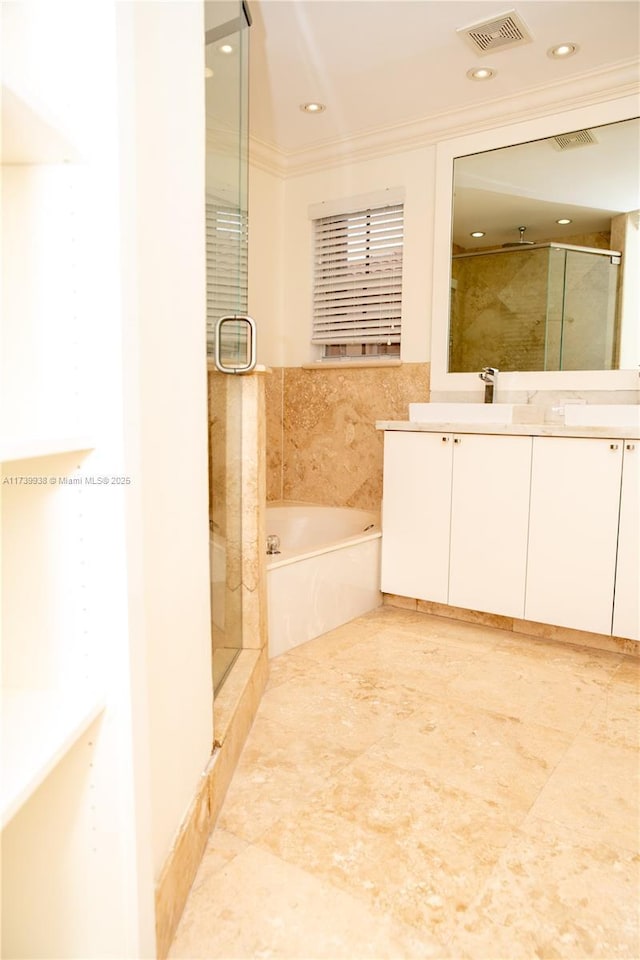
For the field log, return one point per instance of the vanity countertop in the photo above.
(513, 429)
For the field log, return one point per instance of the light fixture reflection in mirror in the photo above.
(560, 299)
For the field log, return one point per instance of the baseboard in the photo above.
(539, 631)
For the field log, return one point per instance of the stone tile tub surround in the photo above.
(322, 444)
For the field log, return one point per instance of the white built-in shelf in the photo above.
(33, 447)
(38, 728)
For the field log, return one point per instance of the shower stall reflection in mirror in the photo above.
(549, 306)
(226, 103)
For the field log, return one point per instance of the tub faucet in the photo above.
(490, 377)
(273, 544)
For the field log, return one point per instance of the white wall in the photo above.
(630, 341)
(162, 166)
(266, 264)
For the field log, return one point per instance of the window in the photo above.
(227, 232)
(357, 293)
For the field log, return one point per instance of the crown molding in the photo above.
(618, 80)
(266, 156)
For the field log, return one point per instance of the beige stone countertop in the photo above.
(512, 429)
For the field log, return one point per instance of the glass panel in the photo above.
(226, 58)
(589, 317)
(555, 309)
(226, 181)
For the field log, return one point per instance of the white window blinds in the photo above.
(357, 294)
(227, 233)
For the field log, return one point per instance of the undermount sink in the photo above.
(602, 415)
(461, 412)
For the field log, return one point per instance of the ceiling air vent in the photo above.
(568, 141)
(500, 33)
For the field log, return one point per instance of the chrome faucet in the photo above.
(273, 544)
(490, 377)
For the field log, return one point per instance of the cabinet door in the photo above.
(489, 523)
(575, 494)
(626, 612)
(416, 511)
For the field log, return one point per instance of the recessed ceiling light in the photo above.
(312, 107)
(477, 233)
(481, 73)
(563, 220)
(208, 72)
(562, 50)
(225, 48)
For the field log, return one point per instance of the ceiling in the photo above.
(381, 66)
(377, 64)
(380, 63)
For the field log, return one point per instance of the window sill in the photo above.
(348, 364)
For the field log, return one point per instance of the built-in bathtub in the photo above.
(327, 571)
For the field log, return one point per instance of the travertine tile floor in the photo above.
(420, 787)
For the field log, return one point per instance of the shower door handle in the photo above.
(235, 344)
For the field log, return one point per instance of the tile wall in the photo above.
(322, 444)
(237, 498)
(532, 310)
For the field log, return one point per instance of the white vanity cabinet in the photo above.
(489, 521)
(540, 528)
(575, 498)
(626, 606)
(455, 513)
(416, 513)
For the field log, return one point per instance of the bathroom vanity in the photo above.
(535, 521)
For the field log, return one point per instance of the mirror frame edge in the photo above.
(607, 111)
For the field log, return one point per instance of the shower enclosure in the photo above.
(226, 79)
(547, 306)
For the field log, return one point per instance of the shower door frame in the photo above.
(226, 181)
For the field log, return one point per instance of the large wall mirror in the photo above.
(537, 271)
(541, 239)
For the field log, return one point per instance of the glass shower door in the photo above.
(589, 318)
(226, 72)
